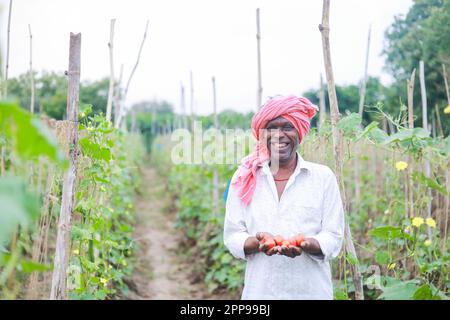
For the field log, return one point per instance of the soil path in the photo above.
(160, 271)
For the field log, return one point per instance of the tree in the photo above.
(423, 34)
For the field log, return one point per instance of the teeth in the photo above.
(282, 145)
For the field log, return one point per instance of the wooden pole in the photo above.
(423, 92)
(122, 111)
(192, 100)
(444, 73)
(31, 72)
(337, 141)
(362, 93)
(215, 172)
(111, 72)
(118, 96)
(438, 119)
(410, 90)
(8, 37)
(183, 106)
(322, 114)
(59, 286)
(258, 48)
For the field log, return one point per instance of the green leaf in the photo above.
(382, 257)
(407, 135)
(431, 183)
(400, 290)
(367, 130)
(387, 232)
(423, 293)
(30, 266)
(18, 206)
(350, 124)
(31, 139)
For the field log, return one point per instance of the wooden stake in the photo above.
(337, 141)
(59, 281)
(8, 36)
(423, 92)
(258, 48)
(444, 73)
(192, 100)
(31, 71)
(111, 72)
(362, 93)
(438, 119)
(410, 90)
(215, 172)
(322, 112)
(183, 106)
(122, 111)
(118, 96)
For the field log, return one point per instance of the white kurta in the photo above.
(311, 205)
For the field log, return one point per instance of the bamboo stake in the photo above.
(322, 114)
(118, 96)
(337, 141)
(59, 285)
(111, 70)
(444, 73)
(362, 94)
(423, 92)
(438, 119)
(183, 106)
(258, 48)
(8, 37)
(192, 100)
(31, 71)
(122, 111)
(410, 90)
(215, 172)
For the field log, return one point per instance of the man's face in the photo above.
(282, 139)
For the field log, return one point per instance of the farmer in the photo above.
(276, 192)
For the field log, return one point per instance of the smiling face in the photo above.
(282, 140)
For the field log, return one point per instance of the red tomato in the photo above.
(299, 239)
(278, 240)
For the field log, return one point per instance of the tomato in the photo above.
(278, 240)
(286, 243)
(270, 243)
(293, 242)
(299, 239)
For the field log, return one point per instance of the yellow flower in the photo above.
(431, 222)
(401, 165)
(76, 252)
(427, 243)
(417, 222)
(391, 266)
(447, 109)
(103, 280)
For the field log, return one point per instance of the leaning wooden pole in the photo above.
(337, 142)
(362, 93)
(125, 93)
(258, 49)
(111, 72)
(8, 37)
(444, 73)
(59, 281)
(31, 72)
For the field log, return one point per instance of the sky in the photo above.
(208, 37)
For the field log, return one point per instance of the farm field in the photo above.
(109, 194)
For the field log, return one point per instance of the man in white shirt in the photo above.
(276, 192)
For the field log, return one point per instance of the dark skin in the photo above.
(282, 141)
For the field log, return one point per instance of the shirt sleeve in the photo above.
(331, 236)
(235, 230)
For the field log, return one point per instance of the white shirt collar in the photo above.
(301, 164)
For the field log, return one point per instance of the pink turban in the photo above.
(298, 111)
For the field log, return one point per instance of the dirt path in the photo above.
(160, 272)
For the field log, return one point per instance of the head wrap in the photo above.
(298, 111)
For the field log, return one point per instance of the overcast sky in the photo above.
(209, 37)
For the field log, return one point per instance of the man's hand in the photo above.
(312, 246)
(266, 247)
